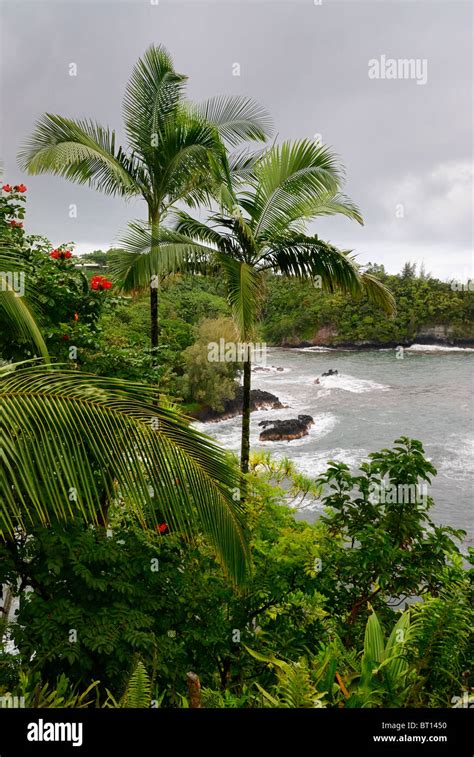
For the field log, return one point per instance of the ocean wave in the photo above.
(457, 464)
(268, 369)
(314, 349)
(437, 348)
(350, 384)
(317, 462)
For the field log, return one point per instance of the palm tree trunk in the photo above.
(245, 447)
(154, 318)
(153, 219)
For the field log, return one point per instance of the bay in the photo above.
(376, 397)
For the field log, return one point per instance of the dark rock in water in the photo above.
(259, 400)
(281, 430)
(279, 369)
(330, 372)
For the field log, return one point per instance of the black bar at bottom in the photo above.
(121, 731)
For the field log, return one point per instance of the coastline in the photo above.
(357, 346)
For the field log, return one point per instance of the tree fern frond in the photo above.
(138, 691)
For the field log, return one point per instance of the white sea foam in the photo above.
(437, 348)
(314, 349)
(457, 464)
(317, 462)
(269, 369)
(350, 384)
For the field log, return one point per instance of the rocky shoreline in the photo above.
(259, 400)
(285, 430)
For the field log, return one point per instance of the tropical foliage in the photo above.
(102, 601)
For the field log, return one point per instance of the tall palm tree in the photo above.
(261, 228)
(71, 444)
(172, 151)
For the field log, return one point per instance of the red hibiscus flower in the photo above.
(20, 188)
(98, 283)
(7, 187)
(162, 528)
(16, 224)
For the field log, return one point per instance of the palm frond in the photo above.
(244, 292)
(237, 119)
(379, 294)
(203, 232)
(14, 306)
(70, 442)
(146, 251)
(292, 172)
(82, 151)
(151, 96)
(310, 257)
(184, 161)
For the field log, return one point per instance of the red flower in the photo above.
(65, 337)
(76, 317)
(16, 224)
(7, 187)
(98, 283)
(162, 528)
(20, 188)
(61, 254)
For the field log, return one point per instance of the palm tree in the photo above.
(172, 153)
(71, 444)
(260, 229)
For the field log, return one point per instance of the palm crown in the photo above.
(175, 150)
(260, 227)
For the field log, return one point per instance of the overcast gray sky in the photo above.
(407, 146)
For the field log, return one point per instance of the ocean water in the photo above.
(374, 399)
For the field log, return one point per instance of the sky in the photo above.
(329, 68)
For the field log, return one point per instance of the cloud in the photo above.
(435, 205)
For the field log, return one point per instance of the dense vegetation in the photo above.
(301, 632)
(295, 311)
